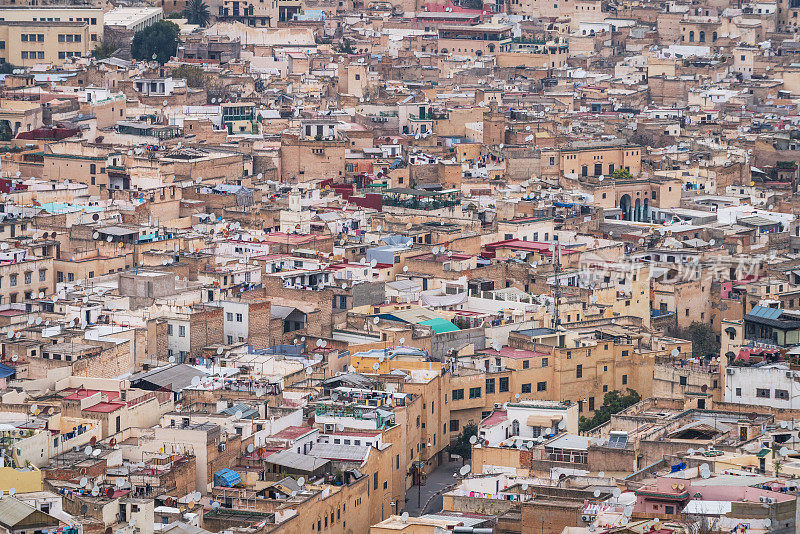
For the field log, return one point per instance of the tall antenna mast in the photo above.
(557, 289)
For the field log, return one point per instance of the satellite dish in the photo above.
(309, 371)
(376, 366)
(601, 474)
(83, 482)
(109, 239)
(464, 470)
(768, 522)
(675, 353)
(195, 380)
(402, 340)
(250, 448)
(616, 492)
(301, 481)
(172, 359)
(87, 451)
(96, 452)
(238, 414)
(380, 358)
(596, 493)
(373, 263)
(340, 427)
(376, 320)
(96, 235)
(95, 491)
(473, 440)
(404, 517)
(405, 268)
(628, 511)
(215, 505)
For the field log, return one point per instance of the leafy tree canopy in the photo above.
(613, 402)
(461, 445)
(704, 340)
(622, 174)
(160, 39)
(194, 76)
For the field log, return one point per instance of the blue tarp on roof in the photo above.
(227, 478)
(6, 371)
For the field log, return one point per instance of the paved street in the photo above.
(430, 495)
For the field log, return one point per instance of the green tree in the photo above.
(194, 76)
(160, 39)
(346, 47)
(704, 340)
(622, 174)
(6, 67)
(196, 12)
(103, 51)
(461, 445)
(613, 402)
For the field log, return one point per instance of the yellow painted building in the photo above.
(28, 43)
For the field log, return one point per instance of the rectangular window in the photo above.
(503, 384)
(453, 425)
(526, 388)
(489, 385)
(762, 393)
(579, 371)
(13, 278)
(541, 386)
(591, 403)
(624, 379)
(781, 394)
(229, 316)
(474, 393)
(526, 364)
(239, 318)
(181, 331)
(544, 362)
(458, 394)
(738, 392)
(42, 275)
(28, 277)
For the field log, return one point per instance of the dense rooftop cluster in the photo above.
(399, 267)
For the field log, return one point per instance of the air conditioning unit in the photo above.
(728, 371)
(762, 499)
(586, 518)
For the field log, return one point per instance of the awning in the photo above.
(542, 420)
